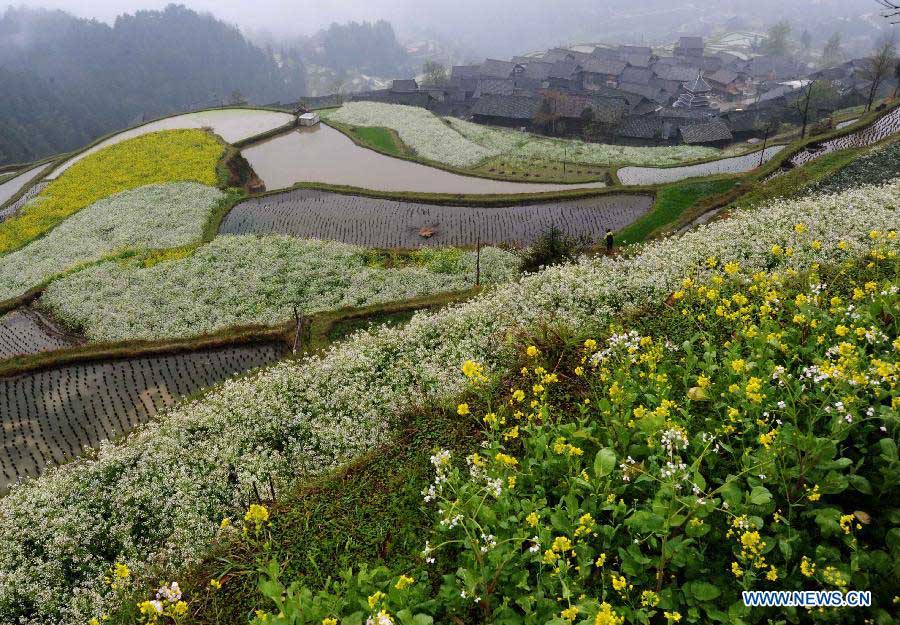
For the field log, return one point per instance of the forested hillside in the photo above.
(65, 81)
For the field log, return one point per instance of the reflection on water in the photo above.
(230, 124)
(323, 154)
(662, 175)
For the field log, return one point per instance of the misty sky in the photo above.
(287, 16)
(514, 26)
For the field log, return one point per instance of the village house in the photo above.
(689, 48)
(714, 133)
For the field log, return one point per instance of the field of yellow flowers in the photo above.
(159, 157)
(742, 438)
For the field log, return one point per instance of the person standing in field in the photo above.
(609, 241)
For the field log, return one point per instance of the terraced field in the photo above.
(231, 124)
(16, 206)
(50, 416)
(15, 184)
(325, 155)
(881, 129)
(661, 175)
(24, 331)
(391, 224)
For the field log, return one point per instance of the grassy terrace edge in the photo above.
(405, 153)
(313, 337)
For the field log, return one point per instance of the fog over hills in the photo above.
(504, 27)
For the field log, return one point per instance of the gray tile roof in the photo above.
(647, 91)
(636, 75)
(404, 86)
(493, 68)
(465, 72)
(538, 70)
(564, 70)
(508, 106)
(681, 73)
(610, 67)
(723, 77)
(644, 127)
(638, 60)
(494, 86)
(709, 132)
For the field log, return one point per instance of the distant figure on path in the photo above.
(609, 241)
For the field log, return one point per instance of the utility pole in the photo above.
(762, 154)
(298, 320)
(478, 261)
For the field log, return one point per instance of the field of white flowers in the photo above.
(155, 216)
(158, 497)
(419, 129)
(245, 279)
(460, 143)
(508, 143)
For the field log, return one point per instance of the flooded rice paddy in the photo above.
(231, 124)
(846, 123)
(662, 175)
(50, 416)
(15, 184)
(391, 224)
(325, 155)
(865, 137)
(24, 331)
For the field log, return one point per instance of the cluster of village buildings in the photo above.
(634, 96)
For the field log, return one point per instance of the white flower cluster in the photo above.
(156, 216)
(531, 146)
(246, 279)
(154, 500)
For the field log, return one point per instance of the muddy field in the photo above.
(51, 416)
(389, 224)
(25, 331)
(662, 175)
(884, 127)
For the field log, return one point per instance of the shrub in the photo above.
(553, 247)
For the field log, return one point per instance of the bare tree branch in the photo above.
(892, 10)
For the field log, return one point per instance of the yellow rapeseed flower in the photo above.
(404, 582)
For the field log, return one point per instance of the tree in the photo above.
(435, 73)
(547, 115)
(896, 78)
(879, 66)
(777, 41)
(814, 92)
(805, 41)
(832, 53)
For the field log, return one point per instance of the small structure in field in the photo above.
(308, 119)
